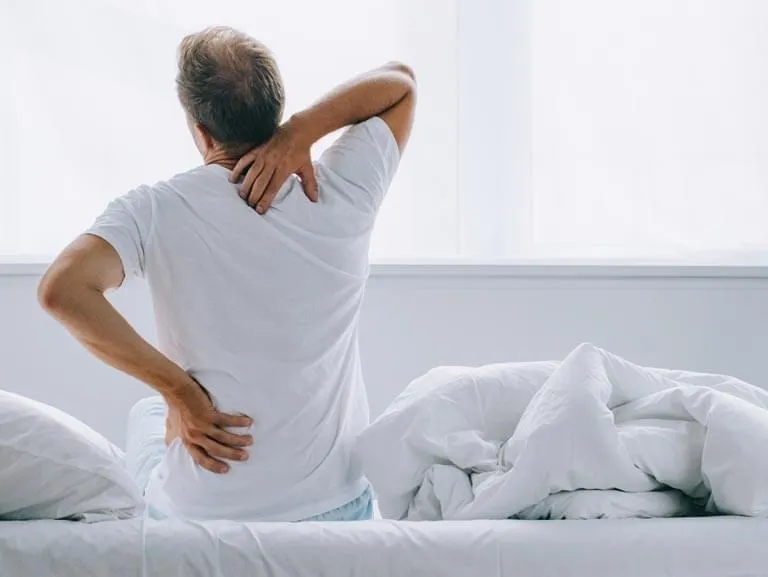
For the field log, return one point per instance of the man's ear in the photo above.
(203, 138)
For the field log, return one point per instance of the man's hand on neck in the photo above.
(388, 91)
(269, 166)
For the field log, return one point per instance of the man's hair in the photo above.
(230, 84)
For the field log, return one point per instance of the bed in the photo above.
(695, 547)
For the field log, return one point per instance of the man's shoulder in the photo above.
(371, 137)
(178, 180)
(142, 201)
(186, 182)
(361, 164)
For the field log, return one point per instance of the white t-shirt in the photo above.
(263, 312)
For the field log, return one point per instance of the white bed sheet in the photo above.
(703, 547)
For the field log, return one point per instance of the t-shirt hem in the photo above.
(314, 509)
(322, 507)
(129, 270)
(384, 138)
(393, 150)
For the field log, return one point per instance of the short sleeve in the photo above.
(365, 157)
(126, 225)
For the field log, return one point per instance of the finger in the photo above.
(207, 462)
(260, 186)
(271, 191)
(226, 420)
(231, 439)
(218, 451)
(309, 182)
(250, 177)
(245, 161)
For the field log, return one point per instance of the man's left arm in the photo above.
(72, 291)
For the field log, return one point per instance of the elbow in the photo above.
(403, 69)
(49, 292)
(53, 292)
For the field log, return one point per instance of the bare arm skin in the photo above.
(388, 92)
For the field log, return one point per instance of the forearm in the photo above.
(92, 319)
(357, 100)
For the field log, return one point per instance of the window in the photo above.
(613, 128)
(546, 128)
(92, 109)
(649, 127)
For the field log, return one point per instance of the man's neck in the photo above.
(221, 158)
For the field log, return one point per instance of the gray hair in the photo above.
(230, 84)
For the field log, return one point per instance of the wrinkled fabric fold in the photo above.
(592, 436)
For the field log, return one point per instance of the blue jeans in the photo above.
(145, 448)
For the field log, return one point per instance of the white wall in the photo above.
(415, 321)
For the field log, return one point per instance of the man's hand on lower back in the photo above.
(193, 418)
(267, 167)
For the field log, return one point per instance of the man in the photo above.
(258, 369)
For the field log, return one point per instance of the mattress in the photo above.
(703, 547)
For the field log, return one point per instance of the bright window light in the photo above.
(92, 109)
(649, 127)
(560, 129)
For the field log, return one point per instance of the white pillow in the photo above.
(53, 466)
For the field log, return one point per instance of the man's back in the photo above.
(262, 311)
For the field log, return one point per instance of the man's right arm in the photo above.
(388, 92)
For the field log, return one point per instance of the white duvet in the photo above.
(591, 436)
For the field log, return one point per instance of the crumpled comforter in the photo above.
(592, 436)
